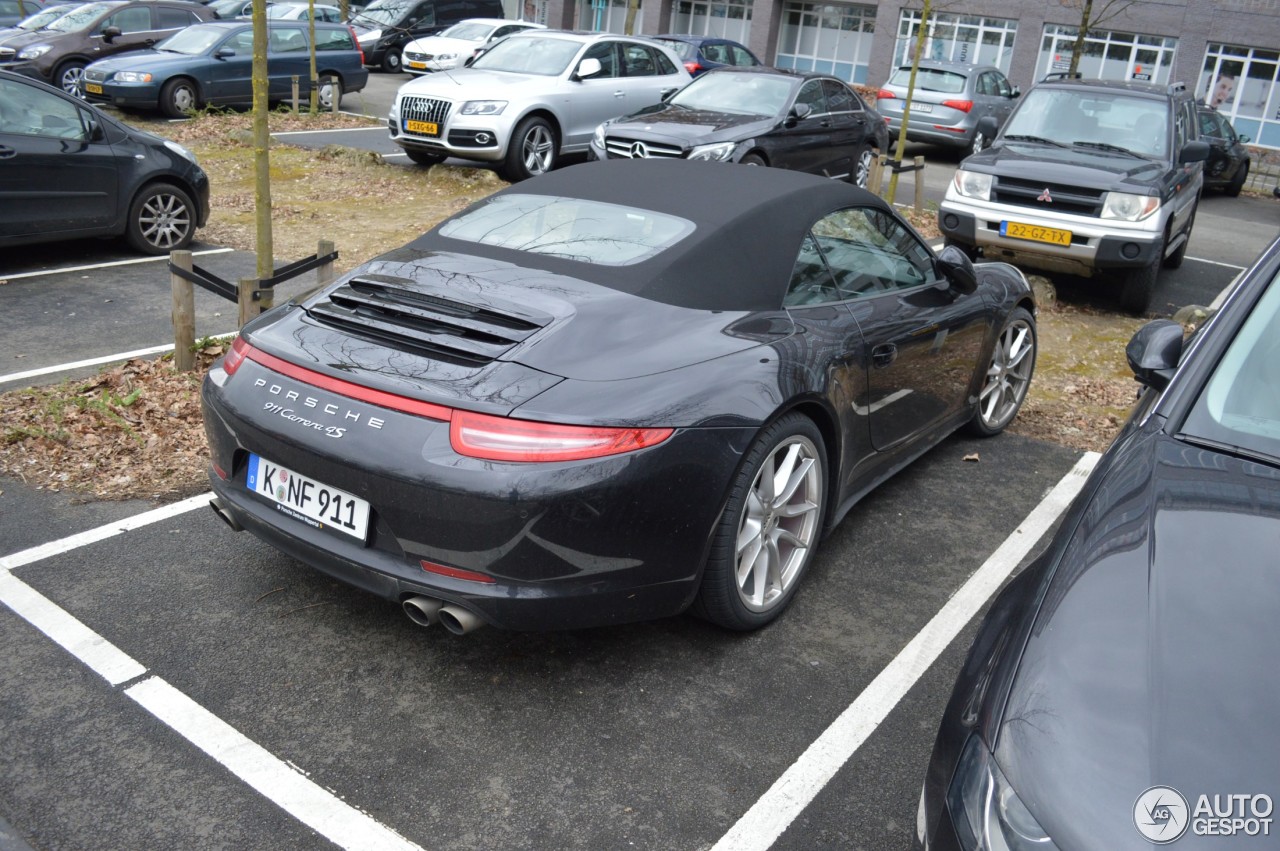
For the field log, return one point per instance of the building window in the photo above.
(607, 16)
(827, 37)
(958, 38)
(1108, 55)
(719, 18)
(1241, 83)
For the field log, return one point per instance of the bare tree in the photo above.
(1092, 13)
(633, 6)
(311, 39)
(261, 142)
(916, 53)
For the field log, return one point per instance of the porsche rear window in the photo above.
(572, 228)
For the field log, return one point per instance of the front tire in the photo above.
(770, 527)
(1008, 376)
(1174, 260)
(161, 219)
(391, 62)
(424, 158)
(69, 76)
(752, 159)
(179, 98)
(1237, 182)
(532, 150)
(1140, 284)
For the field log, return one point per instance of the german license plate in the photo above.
(921, 107)
(93, 88)
(417, 65)
(318, 505)
(1053, 236)
(424, 128)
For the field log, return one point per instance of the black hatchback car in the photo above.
(755, 116)
(1121, 692)
(1228, 165)
(68, 171)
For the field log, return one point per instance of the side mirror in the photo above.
(224, 53)
(958, 269)
(110, 34)
(1242, 139)
(1194, 152)
(588, 67)
(1017, 92)
(96, 132)
(988, 126)
(1154, 351)
(798, 113)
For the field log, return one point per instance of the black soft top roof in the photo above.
(749, 223)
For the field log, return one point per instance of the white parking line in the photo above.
(98, 361)
(1218, 263)
(380, 129)
(770, 816)
(274, 779)
(4, 277)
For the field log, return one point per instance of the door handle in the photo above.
(7, 153)
(883, 355)
(619, 93)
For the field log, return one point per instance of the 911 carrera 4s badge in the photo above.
(318, 505)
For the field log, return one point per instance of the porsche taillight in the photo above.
(504, 439)
(235, 357)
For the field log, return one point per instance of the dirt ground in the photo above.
(135, 430)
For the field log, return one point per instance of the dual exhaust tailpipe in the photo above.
(224, 515)
(427, 611)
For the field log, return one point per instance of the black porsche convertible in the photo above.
(611, 394)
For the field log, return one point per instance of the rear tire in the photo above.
(978, 144)
(1013, 362)
(161, 219)
(179, 98)
(330, 87)
(1237, 182)
(766, 537)
(1140, 284)
(862, 161)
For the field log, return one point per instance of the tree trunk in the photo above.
(906, 107)
(1086, 12)
(311, 39)
(633, 6)
(261, 141)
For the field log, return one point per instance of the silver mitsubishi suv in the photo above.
(531, 98)
(1088, 177)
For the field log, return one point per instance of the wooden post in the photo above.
(295, 93)
(184, 313)
(248, 307)
(875, 180)
(324, 272)
(335, 99)
(919, 174)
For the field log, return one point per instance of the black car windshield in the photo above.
(383, 13)
(1114, 120)
(81, 18)
(194, 40)
(1239, 406)
(544, 57)
(572, 228)
(743, 94)
(930, 80)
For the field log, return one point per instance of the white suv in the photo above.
(531, 98)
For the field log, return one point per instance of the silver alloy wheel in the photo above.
(327, 89)
(862, 174)
(539, 149)
(780, 523)
(164, 220)
(72, 80)
(979, 142)
(184, 97)
(1009, 375)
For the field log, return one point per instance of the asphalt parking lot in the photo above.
(177, 685)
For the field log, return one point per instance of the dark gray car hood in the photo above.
(1153, 658)
(1074, 166)
(685, 127)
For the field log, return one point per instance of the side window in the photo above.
(715, 53)
(1209, 125)
(333, 39)
(840, 98)
(286, 41)
(1183, 128)
(665, 66)
(27, 111)
(503, 31)
(241, 43)
(869, 251)
(738, 56)
(133, 20)
(604, 51)
(811, 281)
(811, 93)
(423, 15)
(637, 61)
(173, 19)
(1003, 87)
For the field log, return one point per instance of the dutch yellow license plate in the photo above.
(418, 65)
(1053, 236)
(425, 128)
(93, 88)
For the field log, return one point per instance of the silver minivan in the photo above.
(950, 98)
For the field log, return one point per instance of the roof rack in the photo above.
(1177, 88)
(1062, 75)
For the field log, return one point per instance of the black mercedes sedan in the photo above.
(612, 393)
(755, 116)
(1121, 692)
